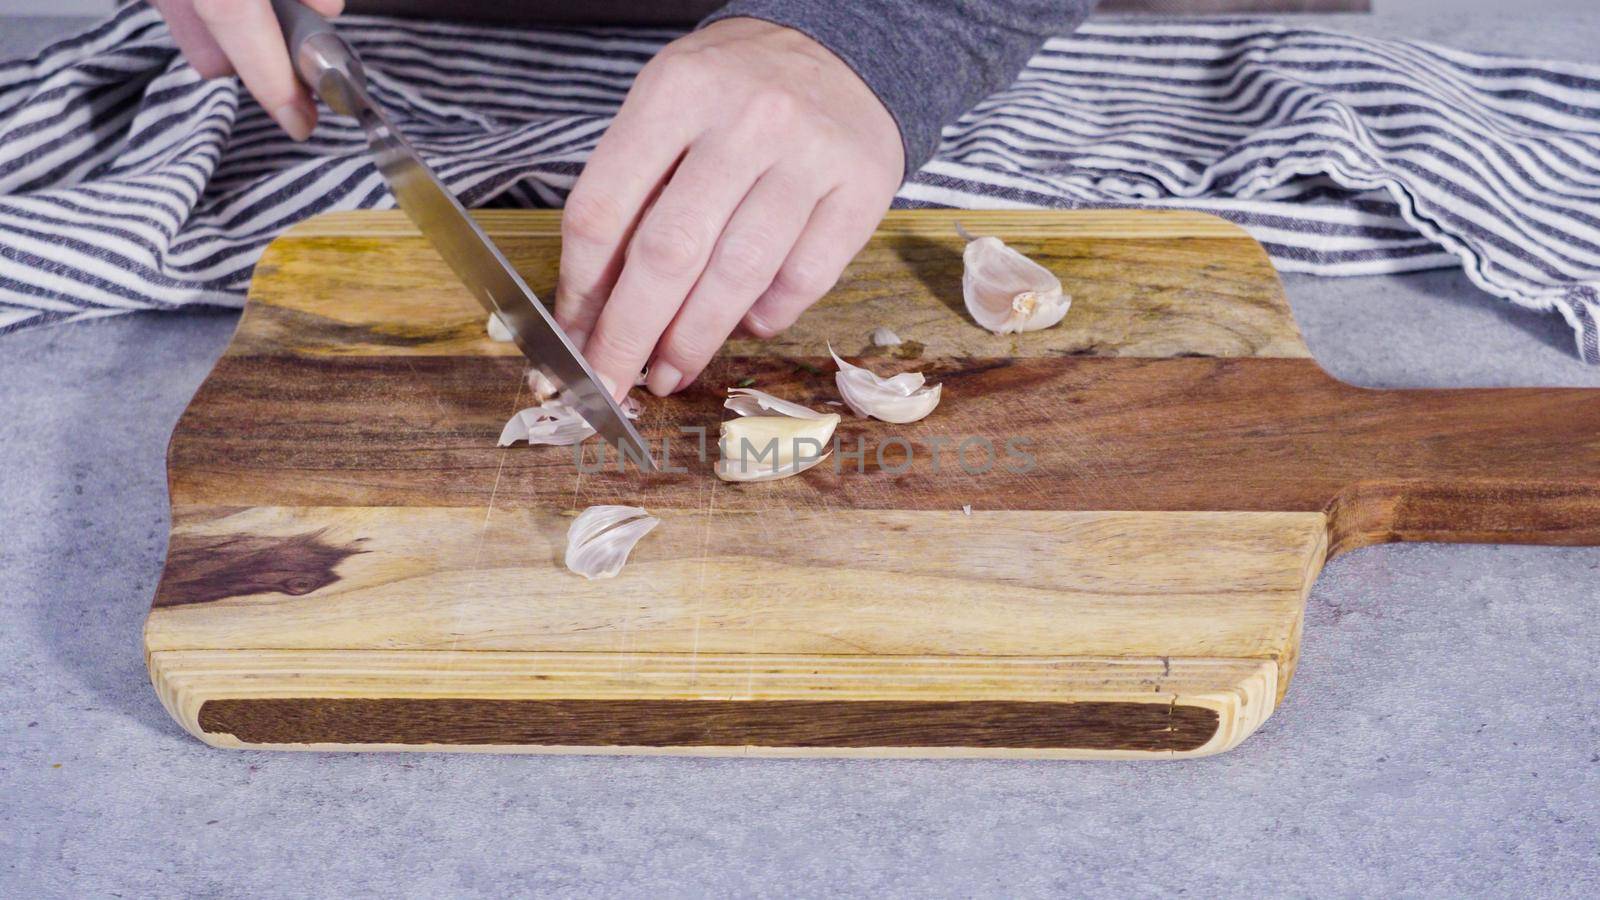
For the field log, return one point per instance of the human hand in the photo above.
(227, 37)
(745, 169)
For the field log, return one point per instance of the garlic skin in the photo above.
(766, 448)
(498, 331)
(900, 399)
(1007, 292)
(601, 537)
(883, 337)
(751, 402)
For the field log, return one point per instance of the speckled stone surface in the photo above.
(1442, 736)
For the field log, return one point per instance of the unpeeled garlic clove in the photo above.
(751, 402)
(900, 399)
(764, 448)
(498, 330)
(1007, 292)
(601, 537)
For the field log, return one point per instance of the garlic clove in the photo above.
(601, 537)
(498, 330)
(900, 399)
(751, 402)
(553, 423)
(883, 337)
(1007, 292)
(542, 386)
(764, 448)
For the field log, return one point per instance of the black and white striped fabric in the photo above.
(128, 183)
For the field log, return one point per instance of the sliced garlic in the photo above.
(900, 399)
(751, 402)
(764, 448)
(542, 386)
(966, 510)
(883, 337)
(498, 330)
(1007, 292)
(553, 423)
(601, 537)
(556, 424)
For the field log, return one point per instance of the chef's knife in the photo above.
(330, 67)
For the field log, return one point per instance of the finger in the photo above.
(668, 252)
(630, 165)
(192, 38)
(248, 34)
(836, 232)
(746, 259)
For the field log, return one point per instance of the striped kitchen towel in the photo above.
(128, 183)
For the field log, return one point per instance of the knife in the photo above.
(331, 69)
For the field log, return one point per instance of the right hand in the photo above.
(242, 37)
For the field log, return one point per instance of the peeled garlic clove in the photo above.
(601, 537)
(553, 423)
(751, 402)
(900, 399)
(883, 337)
(1007, 292)
(764, 448)
(542, 386)
(498, 330)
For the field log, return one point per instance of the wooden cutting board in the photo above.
(354, 563)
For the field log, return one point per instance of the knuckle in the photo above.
(621, 347)
(671, 244)
(689, 349)
(744, 262)
(591, 217)
(804, 279)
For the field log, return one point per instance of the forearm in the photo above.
(928, 61)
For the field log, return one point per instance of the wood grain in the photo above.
(353, 564)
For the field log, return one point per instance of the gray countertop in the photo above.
(1442, 736)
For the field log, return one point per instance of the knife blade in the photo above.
(333, 71)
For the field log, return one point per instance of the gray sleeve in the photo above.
(929, 61)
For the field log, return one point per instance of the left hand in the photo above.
(745, 169)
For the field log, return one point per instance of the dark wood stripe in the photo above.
(714, 723)
(1106, 434)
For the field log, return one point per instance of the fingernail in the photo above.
(664, 378)
(294, 119)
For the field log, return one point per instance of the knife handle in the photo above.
(322, 59)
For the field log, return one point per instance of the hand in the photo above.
(227, 37)
(745, 169)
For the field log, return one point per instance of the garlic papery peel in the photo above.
(763, 448)
(900, 399)
(750, 402)
(601, 537)
(498, 330)
(883, 337)
(1007, 292)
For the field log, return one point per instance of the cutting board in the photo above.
(354, 564)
